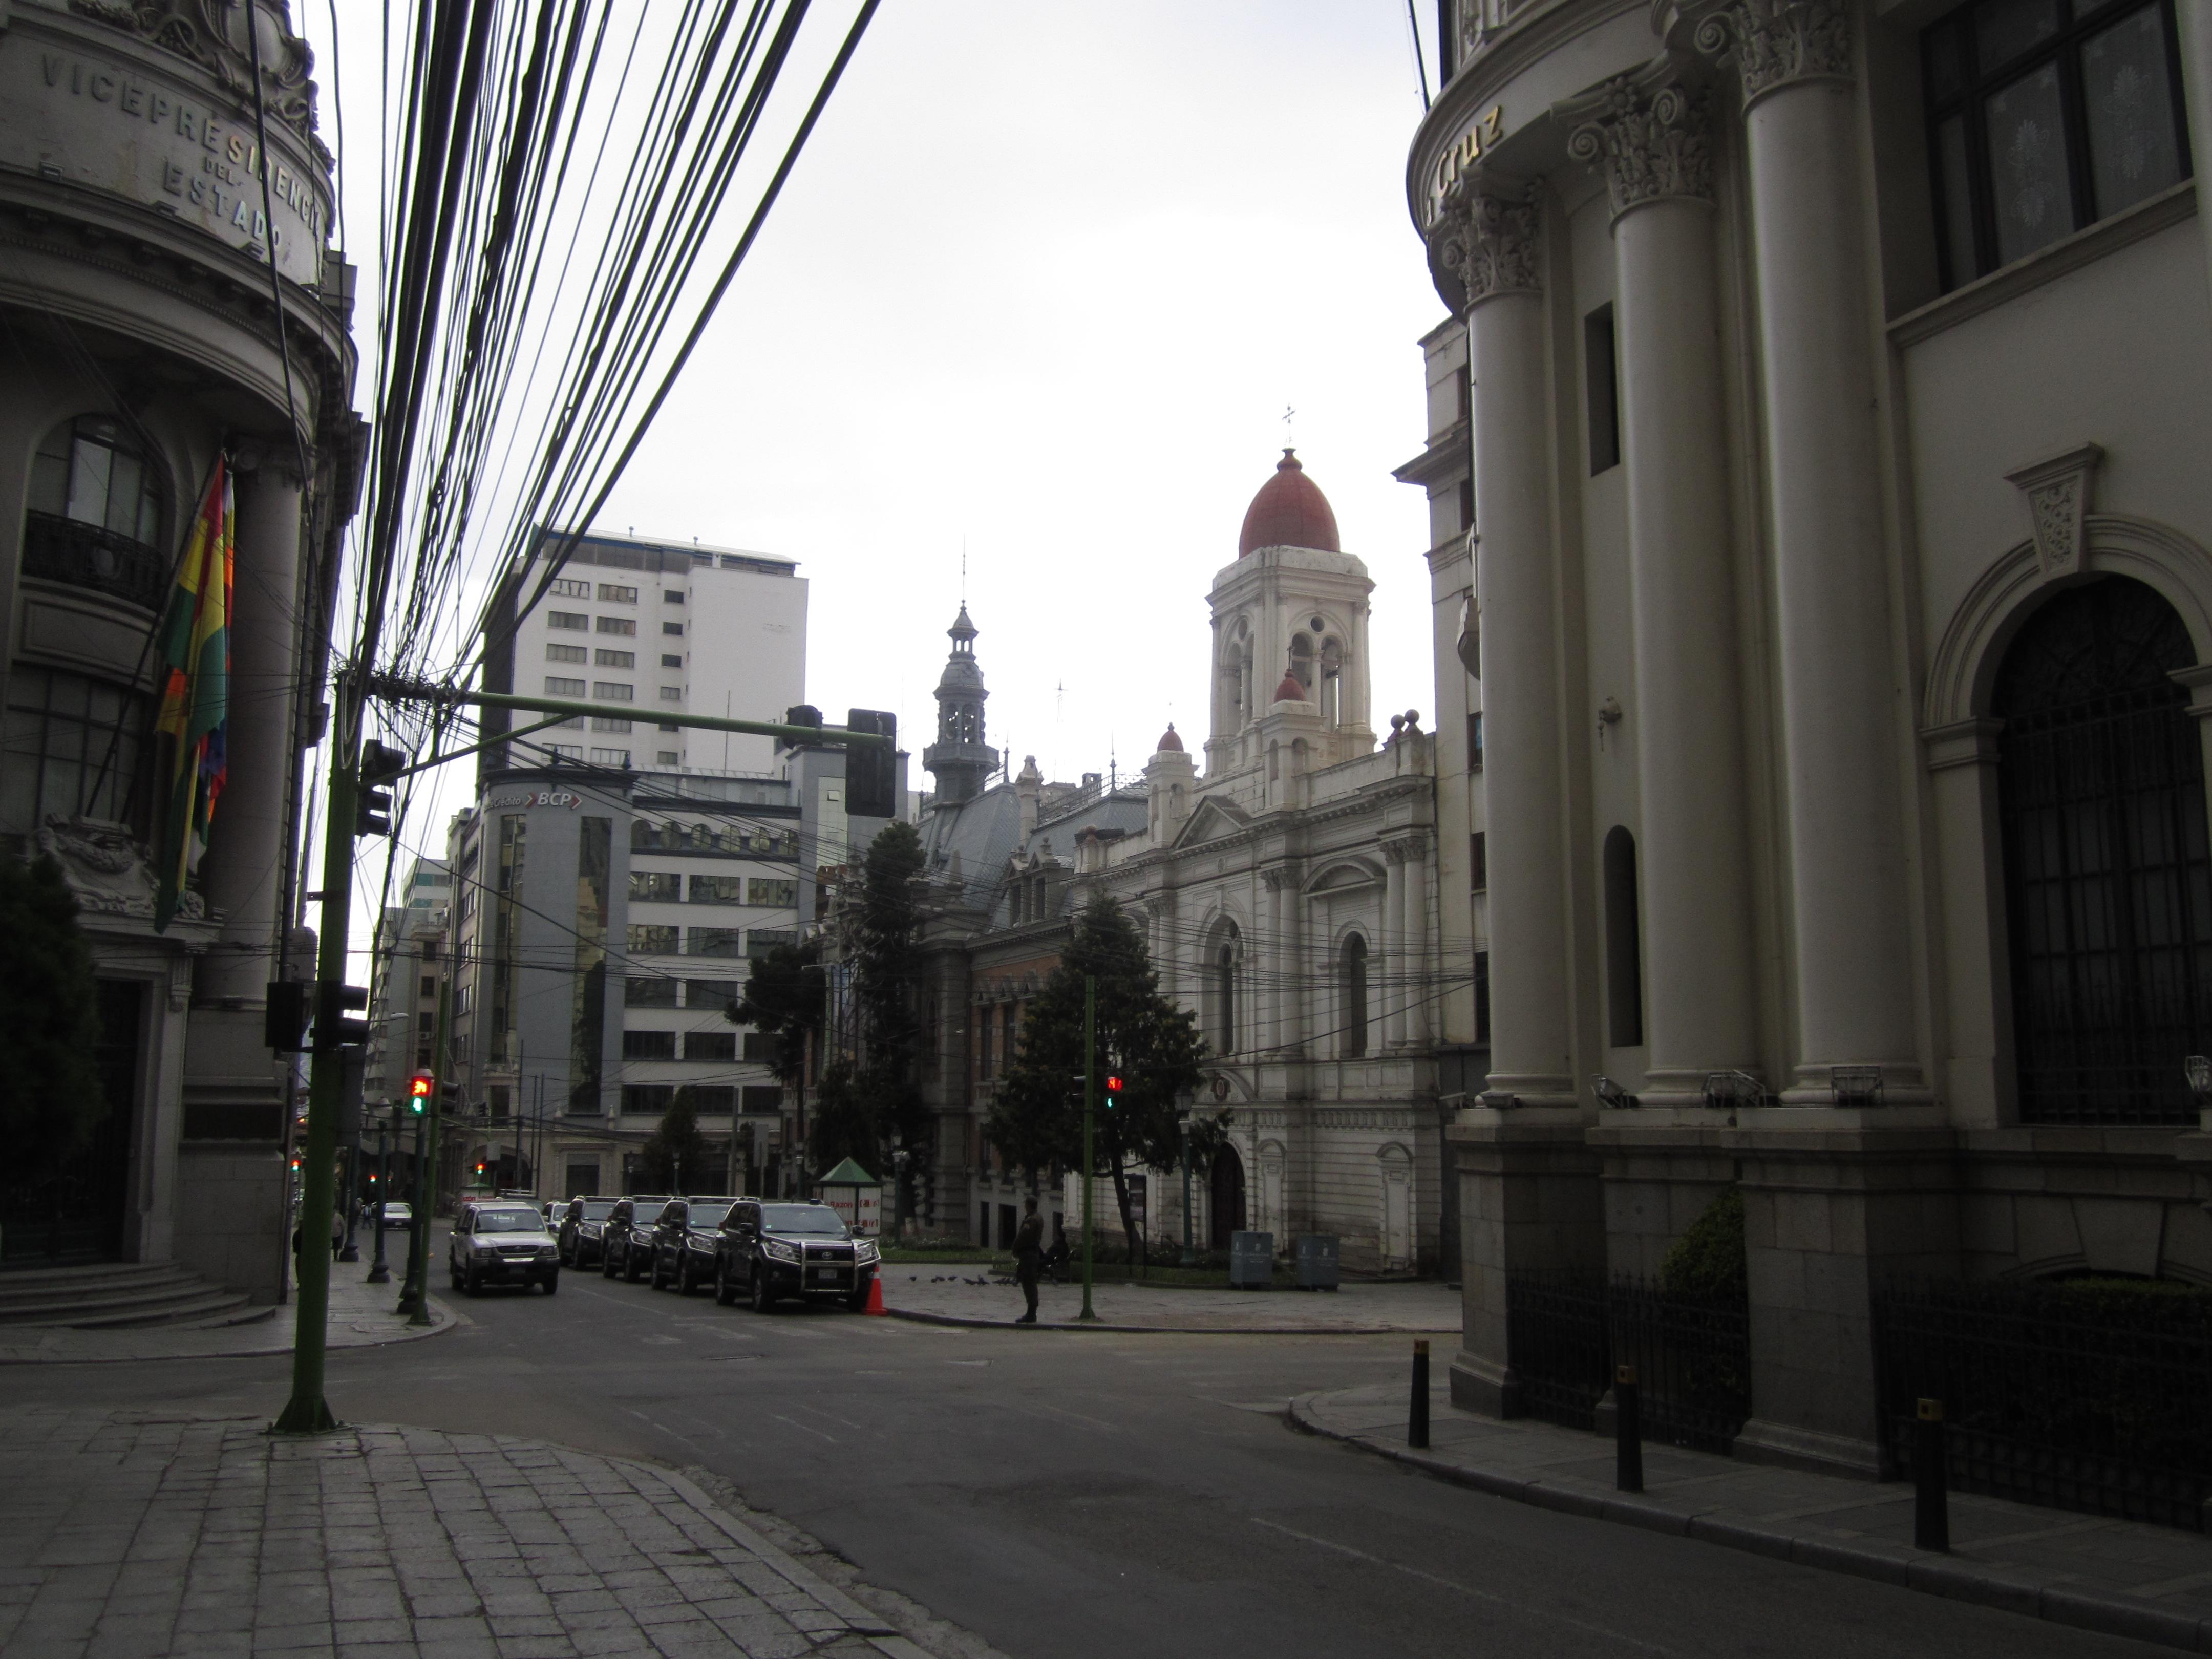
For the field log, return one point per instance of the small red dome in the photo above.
(1290, 690)
(1169, 744)
(1290, 511)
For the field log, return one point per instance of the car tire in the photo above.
(763, 1299)
(858, 1302)
(552, 1281)
(726, 1293)
(567, 1256)
(683, 1281)
(606, 1262)
(660, 1280)
(454, 1273)
(629, 1265)
(473, 1281)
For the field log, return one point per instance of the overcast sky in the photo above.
(1042, 287)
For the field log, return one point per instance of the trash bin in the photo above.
(1316, 1261)
(1251, 1260)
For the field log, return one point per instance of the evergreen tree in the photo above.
(886, 1110)
(676, 1156)
(1036, 1120)
(845, 1123)
(50, 1029)
(783, 999)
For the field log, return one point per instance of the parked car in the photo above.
(768, 1251)
(581, 1223)
(399, 1215)
(550, 1209)
(499, 1244)
(626, 1236)
(684, 1239)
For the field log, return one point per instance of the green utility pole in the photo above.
(427, 1200)
(307, 1413)
(1090, 1047)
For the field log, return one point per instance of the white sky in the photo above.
(1042, 284)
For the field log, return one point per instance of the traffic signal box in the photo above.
(419, 1088)
(1113, 1090)
(380, 764)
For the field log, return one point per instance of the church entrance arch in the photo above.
(1227, 1209)
(2108, 874)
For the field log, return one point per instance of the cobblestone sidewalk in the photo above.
(361, 1317)
(136, 1535)
(949, 1295)
(2119, 1577)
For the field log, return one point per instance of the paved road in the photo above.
(1090, 1496)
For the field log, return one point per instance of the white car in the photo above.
(502, 1243)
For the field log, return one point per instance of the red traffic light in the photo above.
(1114, 1084)
(420, 1085)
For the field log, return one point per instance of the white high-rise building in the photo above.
(665, 626)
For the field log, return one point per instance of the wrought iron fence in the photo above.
(2077, 1397)
(1692, 1355)
(63, 550)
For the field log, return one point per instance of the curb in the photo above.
(967, 1323)
(448, 1319)
(1932, 1575)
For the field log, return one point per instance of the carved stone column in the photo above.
(1649, 133)
(1839, 680)
(1408, 865)
(1491, 243)
(1389, 960)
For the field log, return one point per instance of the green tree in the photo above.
(676, 1156)
(845, 1123)
(885, 932)
(51, 1029)
(1036, 1120)
(1709, 1259)
(783, 999)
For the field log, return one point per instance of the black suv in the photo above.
(580, 1224)
(684, 1241)
(768, 1251)
(626, 1236)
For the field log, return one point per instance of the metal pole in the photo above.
(1931, 1514)
(347, 1251)
(1089, 1080)
(1189, 1256)
(1628, 1431)
(380, 1272)
(410, 1281)
(433, 1123)
(306, 1412)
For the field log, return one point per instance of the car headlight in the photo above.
(549, 1252)
(864, 1251)
(482, 1244)
(780, 1250)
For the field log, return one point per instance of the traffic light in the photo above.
(333, 1001)
(380, 764)
(872, 769)
(1113, 1090)
(284, 1021)
(418, 1093)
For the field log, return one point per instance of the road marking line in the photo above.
(803, 1429)
(1454, 1584)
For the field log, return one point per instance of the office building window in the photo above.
(718, 889)
(655, 886)
(568, 654)
(1478, 861)
(608, 723)
(574, 751)
(760, 941)
(716, 942)
(670, 596)
(714, 993)
(618, 625)
(613, 594)
(574, 620)
(607, 659)
(652, 941)
(710, 1045)
(648, 991)
(671, 659)
(1482, 996)
(644, 1100)
(569, 587)
(2044, 116)
(613, 691)
(760, 1098)
(611, 757)
(714, 1099)
(75, 746)
(556, 686)
(674, 630)
(667, 757)
(648, 1045)
(777, 892)
(760, 1048)
(671, 694)
(1474, 741)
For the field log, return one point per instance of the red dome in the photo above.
(1290, 690)
(1290, 511)
(1169, 744)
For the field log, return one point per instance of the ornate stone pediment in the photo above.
(212, 35)
(2056, 494)
(107, 869)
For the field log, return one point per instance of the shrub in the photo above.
(1708, 1259)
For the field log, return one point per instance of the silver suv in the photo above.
(502, 1243)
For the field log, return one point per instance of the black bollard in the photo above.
(1931, 1514)
(1628, 1455)
(1417, 1415)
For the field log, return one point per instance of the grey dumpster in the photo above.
(1251, 1260)
(1316, 1261)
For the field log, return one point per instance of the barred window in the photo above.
(655, 886)
(2044, 116)
(567, 653)
(618, 625)
(647, 1045)
(607, 659)
(779, 892)
(574, 620)
(652, 940)
(715, 942)
(710, 1045)
(718, 889)
(556, 686)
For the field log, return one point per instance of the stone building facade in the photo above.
(1841, 590)
(138, 298)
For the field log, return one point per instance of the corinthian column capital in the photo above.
(1776, 43)
(1650, 134)
(1487, 241)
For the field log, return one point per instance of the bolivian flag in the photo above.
(194, 651)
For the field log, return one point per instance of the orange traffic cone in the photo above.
(875, 1295)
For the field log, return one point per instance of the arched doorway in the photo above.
(1227, 1209)
(2108, 876)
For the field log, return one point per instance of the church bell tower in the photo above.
(959, 760)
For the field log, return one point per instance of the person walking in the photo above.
(1029, 1256)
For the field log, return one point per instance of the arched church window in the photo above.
(1302, 662)
(2100, 789)
(1332, 681)
(1224, 995)
(1353, 974)
(98, 512)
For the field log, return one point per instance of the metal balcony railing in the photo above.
(61, 549)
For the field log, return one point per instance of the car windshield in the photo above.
(711, 1214)
(510, 1221)
(801, 1218)
(391, 1208)
(598, 1209)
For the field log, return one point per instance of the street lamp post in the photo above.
(1183, 1124)
(900, 1159)
(1089, 1079)
(380, 1272)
